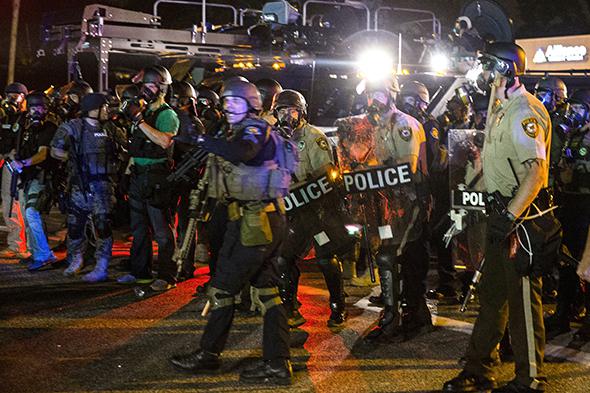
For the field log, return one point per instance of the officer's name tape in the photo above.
(372, 179)
(468, 200)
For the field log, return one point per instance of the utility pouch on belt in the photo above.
(545, 236)
(255, 228)
(158, 187)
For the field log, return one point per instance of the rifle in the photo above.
(197, 205)
(78, 160)
(194, 159)
(13, 184)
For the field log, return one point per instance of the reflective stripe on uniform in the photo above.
(529, 328)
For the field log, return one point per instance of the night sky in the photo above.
(531, 18)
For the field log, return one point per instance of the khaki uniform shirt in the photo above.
(518, 129)
(315, 154)
(402, 136)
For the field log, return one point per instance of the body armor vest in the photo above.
(94, 149)
(265, 182)
(141, 146)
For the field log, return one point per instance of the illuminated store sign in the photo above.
(564, 53)
(560, 53)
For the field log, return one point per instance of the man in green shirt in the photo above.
(149, 194)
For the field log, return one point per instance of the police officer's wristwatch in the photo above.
(506, 213)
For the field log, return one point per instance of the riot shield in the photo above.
(467, 232)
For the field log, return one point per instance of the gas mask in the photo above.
(286, 118)
(148, 94)
(546, 98)
(375, 111)
(577, 115)
(409, 105)
(37, 114)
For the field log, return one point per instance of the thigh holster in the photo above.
(219, 298)
(264, 299)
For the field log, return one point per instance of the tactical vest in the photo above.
(141, 145)
(98, 152)
(268, 181)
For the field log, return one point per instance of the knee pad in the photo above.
(264, 299)
(219, 298)
(102, 224)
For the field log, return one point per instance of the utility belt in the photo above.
(543, 201)
(535, 244)
(154, 187)
(255, 227)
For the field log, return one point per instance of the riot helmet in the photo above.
(505, 58)
(15, 96)
(92, 102)
(73, 93)
(269, 88)
(154, 83)
(16, 88)
(290, 108)
(245, 90)
(183, 94)
(551, 91)
(414, 98)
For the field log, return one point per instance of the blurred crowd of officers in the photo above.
(99, 157)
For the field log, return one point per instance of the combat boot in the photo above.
(332, 271)
(199, 360)
(276, 372)
(338, 315)
(468, 382)
(100, 272)
(388, 328)
(76, 264)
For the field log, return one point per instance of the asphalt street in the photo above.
(59, 334)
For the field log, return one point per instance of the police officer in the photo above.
(12, 108)
(251, 173)
(480, 111)
(552, 92)
(183, 101)
(91, 151)
(72, 95)
(387, 136)
(32, 162)
(414, 100)
(306, 222)
(574, 180)
(268, 88)
(154, 126)
(517, 140)
(208, 109)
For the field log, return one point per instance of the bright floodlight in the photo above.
(439, 62)
(375, 64)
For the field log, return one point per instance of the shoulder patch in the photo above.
(434, 132)
(530, 127)
(405, 133)
(301, 145)
(251, 130)
(15, 127)
(322, 143)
